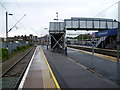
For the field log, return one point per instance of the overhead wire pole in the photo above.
(10, 29)
(7, 31)
(6, 25)
(9, 12)
(16, 23)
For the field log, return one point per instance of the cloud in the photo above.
(41, 12)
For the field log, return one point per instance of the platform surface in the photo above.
(71, 74)
(37, 74)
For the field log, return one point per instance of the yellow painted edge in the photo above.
(51, 72)
(113, 59)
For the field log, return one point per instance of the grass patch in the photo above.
(22, 48)
(4, 55)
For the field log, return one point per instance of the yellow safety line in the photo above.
(55, 80)
(113, 59)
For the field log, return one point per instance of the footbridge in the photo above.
(76, 23)
(57, 30)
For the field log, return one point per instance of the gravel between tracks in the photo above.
(6, 64)
(11, 77)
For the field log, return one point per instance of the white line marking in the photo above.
(77, 63)
(25, 75)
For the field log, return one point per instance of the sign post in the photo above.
(118, 54)
(118, 47)
(93, 42)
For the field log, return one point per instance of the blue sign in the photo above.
(111, 32)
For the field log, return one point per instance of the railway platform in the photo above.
(49, 69)
(38, 73)
(70, 73)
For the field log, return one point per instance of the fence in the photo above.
(12, 46)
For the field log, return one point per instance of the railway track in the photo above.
(11, 77)
(108, 52)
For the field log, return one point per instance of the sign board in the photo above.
(111, 32)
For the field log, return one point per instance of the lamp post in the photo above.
(7, 30)
(47, 38)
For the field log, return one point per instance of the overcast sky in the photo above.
(40, 12)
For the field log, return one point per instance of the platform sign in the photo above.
(111, 32)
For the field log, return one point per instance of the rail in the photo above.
(23, 69)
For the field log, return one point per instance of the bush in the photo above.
(3, 53)
(22, 48)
